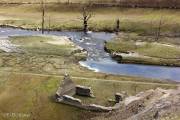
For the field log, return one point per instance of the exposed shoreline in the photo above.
(143, 60)
(80, 30)
(53, 29)
(118, 58)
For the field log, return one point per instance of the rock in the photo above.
(118, 97)
(84, 91)
(147, 114)
(99, 108)
(131, 99)
(71, 100)
(117, 57)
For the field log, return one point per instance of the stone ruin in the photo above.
(147, 105)
(68, 89)
(153, 104)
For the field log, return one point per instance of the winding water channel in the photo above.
(98, 60)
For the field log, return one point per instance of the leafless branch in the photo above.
(86, 15)
(159, 28)
(43, 15)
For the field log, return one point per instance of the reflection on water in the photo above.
(100, 61)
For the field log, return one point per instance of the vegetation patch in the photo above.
(67, 17)
(145, 51)
(40, 45)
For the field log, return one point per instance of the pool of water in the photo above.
(100, 61)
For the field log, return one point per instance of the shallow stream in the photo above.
(100, 61)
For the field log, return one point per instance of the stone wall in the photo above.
(69, 100)
(84, 91)
(67, 89)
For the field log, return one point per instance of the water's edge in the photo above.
(100, 61)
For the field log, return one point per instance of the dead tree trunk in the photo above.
(158, 32)
(43, 16)
(86, 15)
(49, 21)
(85, 29)
(117, 26)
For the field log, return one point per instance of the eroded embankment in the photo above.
(144, 50)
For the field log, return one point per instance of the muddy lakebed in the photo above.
(98, 60)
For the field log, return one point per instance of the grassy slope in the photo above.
(29, 93)
(67, 17)
(159, 51)
(28, 81)
(148, 49)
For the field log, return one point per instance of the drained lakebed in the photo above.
(100, 61)
(32, 67)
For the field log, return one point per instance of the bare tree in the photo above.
(117, 26)
(151, 31)
(86, 16)
(49, 24)
(43, 16)
(158, 32)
